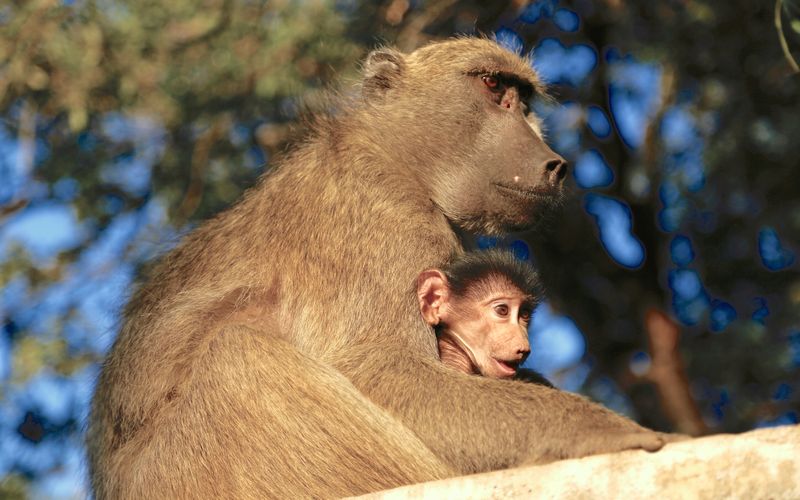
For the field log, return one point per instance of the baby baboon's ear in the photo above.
(382, 70)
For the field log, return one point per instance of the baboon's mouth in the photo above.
(507, 368)
(543, 194)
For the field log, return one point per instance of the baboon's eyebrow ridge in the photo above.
(526, 87)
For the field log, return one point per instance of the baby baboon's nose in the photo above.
(523, 351)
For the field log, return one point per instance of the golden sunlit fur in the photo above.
(278, 351)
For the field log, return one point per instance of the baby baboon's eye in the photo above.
(501, 310)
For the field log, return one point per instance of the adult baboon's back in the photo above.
(278, 349)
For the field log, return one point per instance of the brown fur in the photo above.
(278, 350)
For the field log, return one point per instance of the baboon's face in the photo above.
(492, 329)
(463, 105)
(487, 323)
(518, 177)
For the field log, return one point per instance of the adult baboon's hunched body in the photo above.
(278, 350)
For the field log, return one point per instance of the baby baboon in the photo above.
(278, 351)
(480, 306)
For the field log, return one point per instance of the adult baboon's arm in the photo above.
(509, 422)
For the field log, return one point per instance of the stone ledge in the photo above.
(760, 464)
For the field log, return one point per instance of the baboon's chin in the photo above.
(530, 224)
(521, 213)
(500, 226)
(530, 200)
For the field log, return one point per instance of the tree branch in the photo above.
(668, 373)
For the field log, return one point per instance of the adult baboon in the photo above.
(279, 350)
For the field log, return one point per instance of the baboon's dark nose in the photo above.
(555, 171)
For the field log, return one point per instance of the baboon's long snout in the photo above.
(550, 169)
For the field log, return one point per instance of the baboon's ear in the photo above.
(432, 295)
(382, 70)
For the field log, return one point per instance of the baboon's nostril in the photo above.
(557, 170)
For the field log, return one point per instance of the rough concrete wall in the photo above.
(761, 464)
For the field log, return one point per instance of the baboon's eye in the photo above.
(524, 314)
(492, 82)
(501, 310)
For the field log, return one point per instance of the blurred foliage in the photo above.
(128, 122)
(13, 487)
(720, 186)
